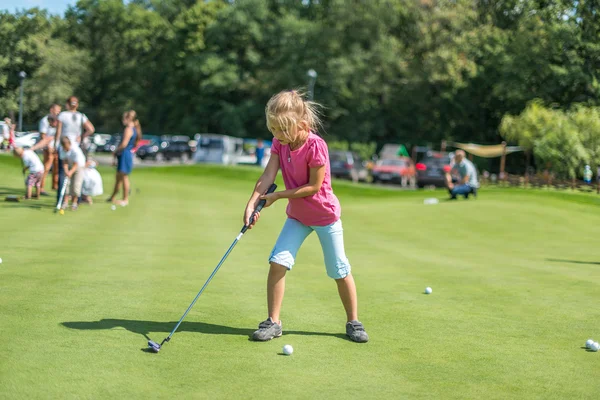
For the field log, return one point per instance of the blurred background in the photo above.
(410, 80)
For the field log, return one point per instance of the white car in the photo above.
(26, 139)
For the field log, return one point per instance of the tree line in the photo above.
(403, 71)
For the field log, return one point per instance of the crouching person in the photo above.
(92, 182)
(31, 162)
(467, 177)
(73, 163)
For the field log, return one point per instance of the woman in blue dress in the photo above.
(124, 154)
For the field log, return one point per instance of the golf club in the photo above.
(154, 346)
(62, 194)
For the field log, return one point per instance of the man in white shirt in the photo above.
(31, 162)
(47, 129)
(73, 164)
(74, 125)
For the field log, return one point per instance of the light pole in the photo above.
(312, 77)
(22, 76)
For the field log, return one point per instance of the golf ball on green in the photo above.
(113, 207)
(288, 350)
(428, 290)
(0, 261)
(595, 346)
(589, 343)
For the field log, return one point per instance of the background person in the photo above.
(73, 164)
(467, 183)
(92, 182)
(74, 125)
(47, 128)
(260, 151)
(31, 162)
(124, 154)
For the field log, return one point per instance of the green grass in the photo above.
(515, 277)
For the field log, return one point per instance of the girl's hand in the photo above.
(270, 198)
(248, 215)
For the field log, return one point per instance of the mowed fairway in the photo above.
(515, 277)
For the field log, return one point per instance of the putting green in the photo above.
(515, 277)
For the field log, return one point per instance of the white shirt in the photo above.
(72, 125)
(5, 130)
(45, 127)
(32, 161)
(75, 155)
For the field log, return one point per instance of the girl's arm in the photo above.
(125, 140)
(88, 129)
(262, 185)
(317, 175)
(66, 169)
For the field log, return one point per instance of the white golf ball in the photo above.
(288, 350)
(113, 207)
(589, 343)
(0, 261)
(595, 346)
(428, 290)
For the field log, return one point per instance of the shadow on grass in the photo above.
(573, 261)
(145, 327)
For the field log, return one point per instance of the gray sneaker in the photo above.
(356, 332)
(267, 330)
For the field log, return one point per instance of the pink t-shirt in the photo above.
(322, 208)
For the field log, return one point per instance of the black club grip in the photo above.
(262, 203)
(259, 207)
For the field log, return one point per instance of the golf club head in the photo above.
(153, 346)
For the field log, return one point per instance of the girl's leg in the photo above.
(282, 259)
(125, 188)
(338, 268)
(116, 188)
(347, 291)
(275, 290)
(47, 165)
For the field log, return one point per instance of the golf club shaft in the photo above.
(259, 207)
(237, 239)
(62, 193)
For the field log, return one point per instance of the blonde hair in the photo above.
(288, 109)
(131, 115)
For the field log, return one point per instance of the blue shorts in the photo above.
(332, 242)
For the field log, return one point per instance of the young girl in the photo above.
(312, 206)
(123, 153)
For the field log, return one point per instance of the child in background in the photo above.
(73, 164)
(92, 182)
(31, 162)
(303, 159)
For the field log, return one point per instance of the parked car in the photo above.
(395, 170)
(165, 149)
(432, 168)
(110, 144)
(100, 139)
(26, 139)
(347, 165)
(218, 149)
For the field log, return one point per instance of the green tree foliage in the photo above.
(401, 71)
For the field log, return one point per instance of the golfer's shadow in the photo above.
(145, 327)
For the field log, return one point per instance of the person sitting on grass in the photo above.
(467, 183)
(73, 165)
(92, 182)
(31, 162)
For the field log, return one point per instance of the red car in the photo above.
(394, 170)
(432, 169)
